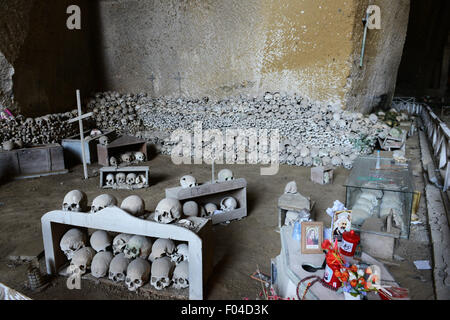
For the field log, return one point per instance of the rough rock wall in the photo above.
(14, 16)
(226, 48)
(373, 85)
(45, 62)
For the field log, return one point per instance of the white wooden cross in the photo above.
(80, 123)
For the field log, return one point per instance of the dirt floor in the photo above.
(241, 246)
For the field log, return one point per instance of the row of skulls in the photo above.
(132, 259)
(20, 132)
(127, 158)
(125, 180)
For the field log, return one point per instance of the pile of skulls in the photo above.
(310, 133)
(125, 180)
(132, 259)
(127, 159)
(19, 132)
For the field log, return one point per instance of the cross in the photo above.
(152, 79)
(80, 123)
(179, 78)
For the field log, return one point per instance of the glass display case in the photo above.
(381, 189)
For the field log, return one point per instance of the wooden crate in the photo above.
(113, 219)
(32, 162)
(72, 146)
(114, 170)
(214, 193)
(120, 145)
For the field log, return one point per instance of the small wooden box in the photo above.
(119, 146)
(322, 175)
(214, 193)
(32, 162)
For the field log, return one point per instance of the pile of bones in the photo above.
(311, 133)
(20, 132)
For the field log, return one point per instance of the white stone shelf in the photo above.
(114, 219)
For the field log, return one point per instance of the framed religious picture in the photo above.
(341, 222)
(312, 237)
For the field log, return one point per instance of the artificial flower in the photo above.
(353, 283)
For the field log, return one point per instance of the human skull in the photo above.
(100, 264)
(120, 242)
(141, 179)
(134, 205)
(110, 179)
(181, 275)
(82, 260)
(71, 241)
(225, 175)
(103, 140)
(181, 253)
(118, 268)
(291, 188)
(191, 209)
(138, 246)
(228, 204)
(113, 162)
(188, 181)
(103, 201)
(8, 145)
(162, 247)
(209, 209)
(162, 270)
(168, 210)
(100, 241)
(139, 156)
(75, 200)
(131, 179)
(138, 273)
(121, 178)
(126, 157)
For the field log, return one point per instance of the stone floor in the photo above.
(241, 246)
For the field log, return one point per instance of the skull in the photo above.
(181, 275)
(72, 240)
(209, 209)
(188, 182)
(162, 269)
(126, 157)
(131, 179)
(168, 210)
(82, 260)
(138, 246)
(134, 205)
(121, 178)
(161, 248)
(110, 180)
(103, 140)
(8, 145)
(120, 242)
(118, 268)
(225, 175)
(141, 179)
(181, 253)
(75, 200)
(291, 188)
(100, 264)
(103, 201)
(113, 162)
(228, 204)
(139, 156)
(190, 209)
(100, 241)
(138, 272)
